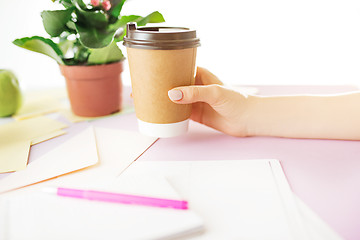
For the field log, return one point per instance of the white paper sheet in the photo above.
(315, 226)
(247, 199)
(41, 217)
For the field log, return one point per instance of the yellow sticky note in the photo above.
(40, 102)
(47, 137)
(69, 115)
(14, 156)
(55, 93)
(16, 137)
(28, 129)
(37, 107)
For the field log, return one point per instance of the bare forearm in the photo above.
(328, 117)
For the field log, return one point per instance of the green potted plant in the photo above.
(84, 41)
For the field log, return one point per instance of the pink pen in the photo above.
(118, 198)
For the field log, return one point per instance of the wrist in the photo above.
(251, 115)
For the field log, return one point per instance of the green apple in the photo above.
(10, 94)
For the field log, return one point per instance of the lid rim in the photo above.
(154, 38)
(167, 44)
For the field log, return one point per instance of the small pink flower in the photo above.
(106, 5)
(95, 3)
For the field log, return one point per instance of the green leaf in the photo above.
(65, 45)
(154, 17)
(111, 53)
(121, 24)
(71, 26)
(94, 38)
(55, 21)
(92, 18)
(41, 45)
(81, 54)
(79, 4)
(65, 3)
(89, 17)
(116, 7)
(124, 20)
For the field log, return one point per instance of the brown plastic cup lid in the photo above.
(160, 38)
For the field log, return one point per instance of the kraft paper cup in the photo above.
(159, 60)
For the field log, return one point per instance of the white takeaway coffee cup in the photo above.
(160, 58)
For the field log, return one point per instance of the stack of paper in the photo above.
(16, 138)
(245, 199)
(82, 219)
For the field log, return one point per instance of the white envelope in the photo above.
(117, 149)
(77, 153)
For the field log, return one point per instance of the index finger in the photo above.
(205, 77)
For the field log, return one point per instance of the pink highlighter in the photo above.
(118, 198)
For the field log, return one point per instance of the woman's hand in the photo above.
(334, 116)
(213, 104)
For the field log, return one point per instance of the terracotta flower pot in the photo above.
(94, 90)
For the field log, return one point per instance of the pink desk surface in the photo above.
(325, 174)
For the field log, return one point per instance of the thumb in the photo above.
(191, 94)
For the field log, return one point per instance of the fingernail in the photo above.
(175, 94)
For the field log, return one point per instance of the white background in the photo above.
(243, 42)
